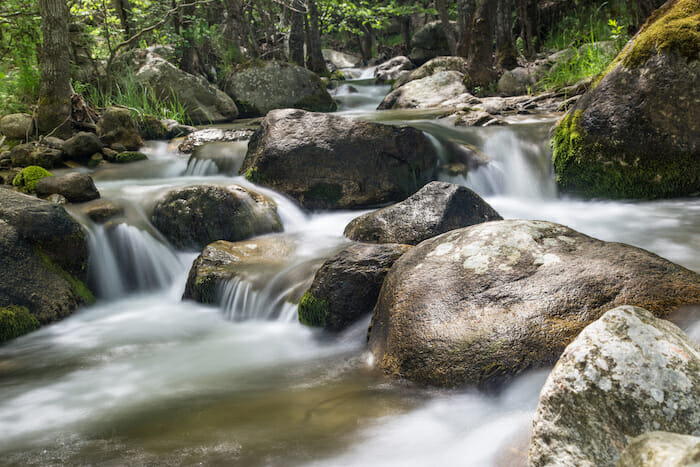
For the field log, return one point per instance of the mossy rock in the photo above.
(313, 311)
(634, 134)
(27, 179)
(130, 156)
(16, 321)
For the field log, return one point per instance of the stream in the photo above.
(142, 377)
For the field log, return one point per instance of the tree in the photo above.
(447, 25)
(296, 13)
(465, 20)
(480, 71)
(315, 61)
(54, 110)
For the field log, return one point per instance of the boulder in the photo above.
(76, 187)
(194, 216)
(625, 374)
(151, 127)
(101, 210)
(658, 448)
(347, 286)
(82, 146)
(437, 208)
(25, 155)
(277, 85)
(428, 42)
(17, 126)
(514, 83)
(129, 156)
(341, 59)
(635, 133)
(202, 102)
(481, 304)
(250, 261)
(392, 69)
(43, 258)
(27, 179)
(118, 126)
(325, 161)
(212, 135)
(431, 67)
(431, 91)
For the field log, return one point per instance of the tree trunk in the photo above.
(527, 14)
(123, 10)
(406, 31)
(54, 111)
(465, 21)
(447, 26)
(296, 33)
(480, 71)
(316, 62)
(506, 53)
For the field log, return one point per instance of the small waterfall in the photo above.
(518, 168)
(125, 258)
(201, 168)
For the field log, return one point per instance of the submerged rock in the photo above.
(635, 133)
(101, 210)
(76, 187)
(277, 85)
(325, 161)
(43, 258)
(625, 374)
(481, 304)
(658, 448)
(194, 216)
(347, 285)
(437, 208)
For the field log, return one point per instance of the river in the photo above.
(142, 377)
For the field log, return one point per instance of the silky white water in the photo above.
(142, 377)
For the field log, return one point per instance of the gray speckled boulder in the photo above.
(276, 85)
(658, 448)
(437, 208)
(17, 126)
(625, 374)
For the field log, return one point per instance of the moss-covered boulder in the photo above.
(151, 127)
(16, 321)
(17, 126)
(43, 258)
(28, 178)
(129, 156)
(117, 126)
(347, 286)
(626, 374)
(437, 208)
(481, 304)
(329, 162)
(270, 85)
(76, 187)
(194, 216)
(635, 134)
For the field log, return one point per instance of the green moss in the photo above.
(338, 75)
(594, 169)
(675, 27)
(313, 311)
(326, 192)
(29, 177)
(319, 102)
(79, 287)
(254, 175)
(130, 156)
(16, 321)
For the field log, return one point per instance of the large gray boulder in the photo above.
(392, 69)
(212, 135)
(43, 258)
(17, 126)
(326, 161)
(341, 59)
(625, 374)
(437, 208)
(76, 187)
(659, 448)
(441, 89)
(194, 216)
(481, 304)
(202, 101)
(635, 134)
(347, 285)
(431, 67)
(277, 85)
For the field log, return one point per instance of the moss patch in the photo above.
(16, 321)
(313, 311)
(79, 287)
(254, 175)
(29, 177)
(673, 28)
(130, 156)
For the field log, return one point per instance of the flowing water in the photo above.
(142, 377)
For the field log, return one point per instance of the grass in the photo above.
(19, 89)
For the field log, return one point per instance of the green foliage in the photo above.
(357, 16)
(27, 179)
(16, 321)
